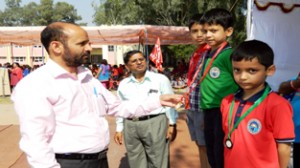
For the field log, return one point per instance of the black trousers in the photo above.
(296, 155)
(214, 135)
(80, 163)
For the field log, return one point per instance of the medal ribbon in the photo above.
(256, 103)
(192, 87)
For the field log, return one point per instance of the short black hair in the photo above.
(251, 49)
(218, 16)
(54, 32)
(195, 19)
(129, 54)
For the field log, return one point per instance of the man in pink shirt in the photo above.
(62, 108)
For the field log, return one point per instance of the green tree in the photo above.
(113, 12)
(30, 13)
(11, 15)
(34, 14)
(168, 12)
(64, 10)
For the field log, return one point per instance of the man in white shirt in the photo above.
(146, 138)
(62, 107)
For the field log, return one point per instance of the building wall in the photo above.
(30, 55)
(37, 55)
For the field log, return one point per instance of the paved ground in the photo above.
(183, 152)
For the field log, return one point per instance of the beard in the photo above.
(75, 60)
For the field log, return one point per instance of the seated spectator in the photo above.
(115, 72)
(178, 83)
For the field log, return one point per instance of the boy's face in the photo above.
(216, 35)
(250, 75)
(197, 34)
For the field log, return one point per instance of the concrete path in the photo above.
(183, 152)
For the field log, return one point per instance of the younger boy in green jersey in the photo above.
(217, 80)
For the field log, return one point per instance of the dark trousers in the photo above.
(296, 155)
(95, 163)
(214, 136)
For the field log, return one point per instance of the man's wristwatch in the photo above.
(172, 125)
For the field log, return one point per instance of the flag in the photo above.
(156, 55)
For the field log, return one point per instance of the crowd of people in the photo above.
(234, 117)
(17, 72)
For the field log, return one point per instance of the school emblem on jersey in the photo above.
(214, 72)
(254, 126)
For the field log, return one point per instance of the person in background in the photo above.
(146, 138)
(16, 74)
(26, 70)
(291, 90)
(195, 116)
(217, 80)
(103, 73)
(63, 122)
(94, 68)
(257, 122)
(152, 67)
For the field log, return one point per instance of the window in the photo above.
(38, 59)
(110, 48)
(18, 59)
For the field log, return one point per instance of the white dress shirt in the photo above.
(154, 84)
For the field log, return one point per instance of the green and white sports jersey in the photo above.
(219, 81)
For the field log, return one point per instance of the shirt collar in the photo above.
(212, 52)
(239, 94)
(58, 72)
(147, 77)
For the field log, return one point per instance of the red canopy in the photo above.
(113, 35)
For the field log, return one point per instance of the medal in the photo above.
(228, 143)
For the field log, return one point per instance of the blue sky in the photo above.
(84, 8)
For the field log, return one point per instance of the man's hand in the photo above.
(172, 133)
(118, 138)
(170, 100)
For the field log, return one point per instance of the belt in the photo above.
(81, 156)
(143, 117)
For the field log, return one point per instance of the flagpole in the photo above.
(146, 48)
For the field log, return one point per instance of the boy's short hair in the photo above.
(251, 49)
(218, 16)
(195, 19)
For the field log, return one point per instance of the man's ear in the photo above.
(271, 70)
(229, 31)
(56, 47)
(127, 68)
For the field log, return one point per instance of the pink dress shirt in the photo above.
(61, 113)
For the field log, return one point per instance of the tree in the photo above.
(113, 12)
(64, 10)
(34, 14)
(167, 12)
(12, 13)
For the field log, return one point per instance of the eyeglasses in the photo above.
(135, 61)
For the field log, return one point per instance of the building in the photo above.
(37, 55)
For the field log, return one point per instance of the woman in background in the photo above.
(16, 74)
(104, 73)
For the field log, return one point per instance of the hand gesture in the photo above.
(118, 138)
